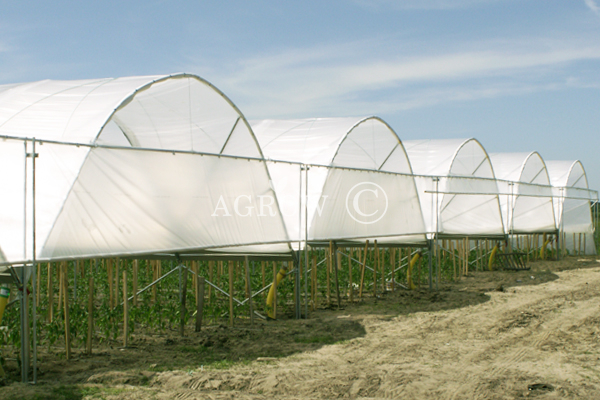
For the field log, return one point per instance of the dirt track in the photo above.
(489, 336)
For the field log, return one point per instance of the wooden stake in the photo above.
(333, 250)
(109, 273)
(329, 262)
(211, 267)
(60, 273)
(393, 262)
(125, 311)
(453, 258)
(117, 274)
(154, 278)
(382, 263)
(274, 290)
(468, 252)
(182, 309)
(375, 267)
(362, 270)
(90, 331)
(65, 288)
(135, 281)
(38, 286)
(262, 269)
(249, 290)
(199, 302)
(351, 289)
(50, 295)
(231, 293)
(314, 282)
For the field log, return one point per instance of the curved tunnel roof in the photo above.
(463, 209)
(176, 112)
(104, 201)
(573, 215)
(365, 143)
(530, 208)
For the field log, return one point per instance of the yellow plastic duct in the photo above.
(271, 296)
(543, 249)
(493, 257)
(412, 263)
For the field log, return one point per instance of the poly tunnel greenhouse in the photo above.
(341, 156)
(457, 189)
(526, 199)
(104, 184)
(572, 212)
(120, 171)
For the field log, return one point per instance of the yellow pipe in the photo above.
(492, 257)
(412, 263)
(543, 249)
(271, 296)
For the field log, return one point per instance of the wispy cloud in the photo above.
(592, 6)
(342, 80)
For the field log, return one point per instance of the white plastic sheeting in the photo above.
(456, 187)
(359, 184)
(572, 212)
(527, 205)
(94, 201)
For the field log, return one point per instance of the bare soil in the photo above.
(492, 335)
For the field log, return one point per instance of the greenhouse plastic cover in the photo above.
(94, 201)
(573, 213)
(360, 157)
(464, 200)
(527, 206)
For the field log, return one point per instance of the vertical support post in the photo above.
(328, 267)
(350, 286)
(211, 268)
(125, 311)
(314, 282)
(155, 276)
(249, 290)
(274, 290)
(375, 268)
(135, 281)
(382, 262)
(262, 270)
(117, 275)
(183, 294)
(333, 249)
(109, 272)
(90, 331)
(34, 284)
(50, 295)
(23, 294)
(231, 293)
(430, 262)
(66, 304)
(453, 258)
(362, 270)
(199, 302)
(393, 262)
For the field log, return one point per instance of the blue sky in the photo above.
(519, 75)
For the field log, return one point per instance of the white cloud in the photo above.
(592, 6)
(350, 79)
